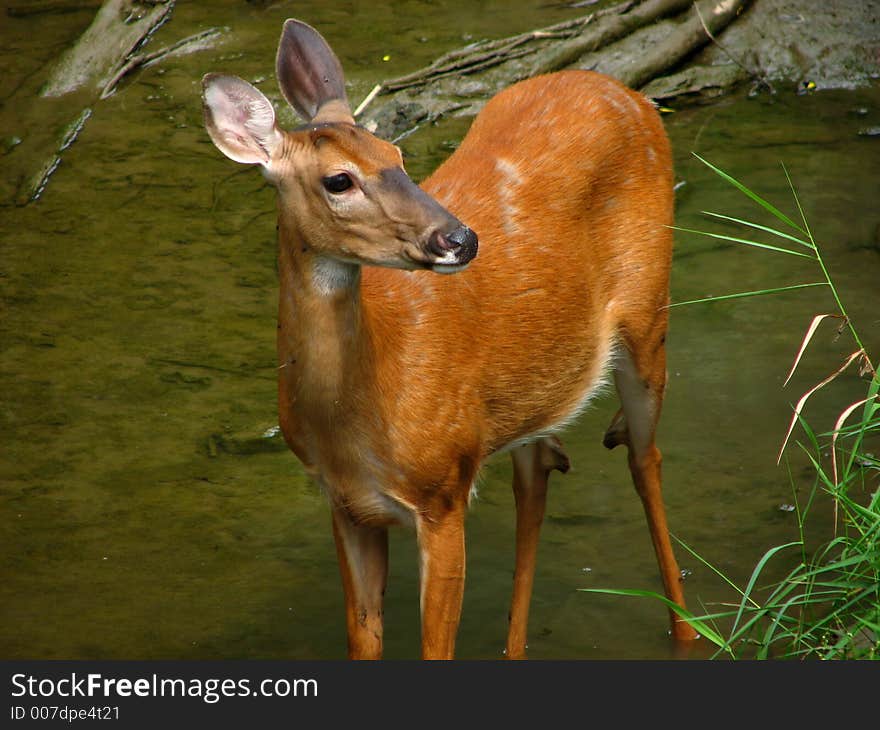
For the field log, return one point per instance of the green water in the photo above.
(145, 513)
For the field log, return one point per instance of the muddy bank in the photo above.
(793, 44)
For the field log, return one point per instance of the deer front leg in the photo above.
(532, 464)
(442, 552)
(363, 562)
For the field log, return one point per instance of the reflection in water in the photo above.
(148, 508)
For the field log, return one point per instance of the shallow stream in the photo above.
(148, 511)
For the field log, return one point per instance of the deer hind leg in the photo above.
(532, 464)
(363, 562)
(641, 381)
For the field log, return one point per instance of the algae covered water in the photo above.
(148, 507)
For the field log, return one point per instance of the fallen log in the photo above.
(120, 27)
(704, 20)
(617, 26)
(89, 71)
(460, 82)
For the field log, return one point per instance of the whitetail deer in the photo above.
(396, 384)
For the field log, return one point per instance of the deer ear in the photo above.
(239, 119)
(310, 75)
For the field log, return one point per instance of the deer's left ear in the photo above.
(310, 75)
(239, 119)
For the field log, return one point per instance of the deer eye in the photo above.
(337, 183)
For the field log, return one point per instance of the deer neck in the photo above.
(324, 348)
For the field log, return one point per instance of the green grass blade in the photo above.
(769, 207)
(743, 241)
(759, 227)
(782, 613)
(701, 626)
(756, 293)
(709, 565)
(754, 578)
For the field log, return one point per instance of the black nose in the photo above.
(462, 242)
(466, 240)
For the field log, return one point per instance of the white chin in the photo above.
(448, 268)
